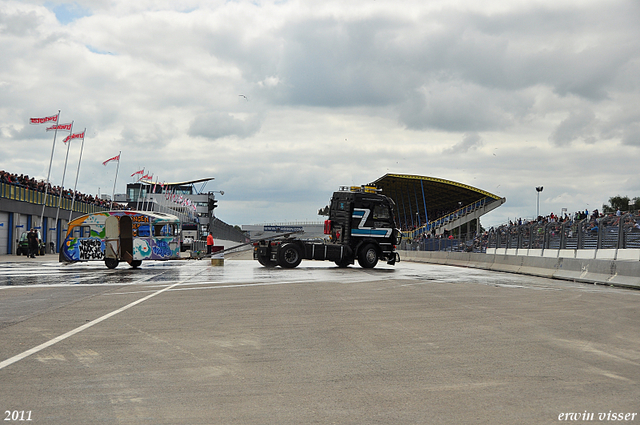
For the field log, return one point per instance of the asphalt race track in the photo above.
(184, 342)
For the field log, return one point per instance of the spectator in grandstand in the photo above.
(41, 186)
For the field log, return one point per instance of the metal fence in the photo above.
(609, 232)
(462, 243)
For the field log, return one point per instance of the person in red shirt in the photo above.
(209, 243)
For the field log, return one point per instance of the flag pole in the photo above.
(139, 189)
(153, 192)
(46, 187)
(145, 200)
(113, 193)
(64, 172)
(77, 174)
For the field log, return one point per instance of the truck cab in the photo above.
(360, 217)
(361, 226)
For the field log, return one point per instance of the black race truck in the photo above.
(361, 226)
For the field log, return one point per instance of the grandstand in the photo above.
(429, 205)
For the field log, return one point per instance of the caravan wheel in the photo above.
(111, 263)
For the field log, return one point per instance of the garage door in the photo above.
(4, 233)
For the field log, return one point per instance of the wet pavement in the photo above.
(184, 342)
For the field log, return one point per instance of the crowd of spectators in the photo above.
(24, 180)
(594, 218)
(580, 222)
(590, 222)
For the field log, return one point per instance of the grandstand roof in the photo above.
(412, 193)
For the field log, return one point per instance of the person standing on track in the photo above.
(32, 239)
(209, 243)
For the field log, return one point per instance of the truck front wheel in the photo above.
(289, 256)
(368, 256)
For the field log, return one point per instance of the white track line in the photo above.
(62, 337)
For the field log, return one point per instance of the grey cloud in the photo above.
(469, 141)
(631, 134)
(625, 126)
(383, 60)
(156, 136)
(20, 23)
(579, 124)
(216, 125)
(331, 62)
(460, 106)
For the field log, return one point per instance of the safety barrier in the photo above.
(597, 271)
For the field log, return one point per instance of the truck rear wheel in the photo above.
(266, 262)
(289, 256)
(368, 256)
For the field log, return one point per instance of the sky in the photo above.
(282, 102)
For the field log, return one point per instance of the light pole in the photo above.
(538, 189)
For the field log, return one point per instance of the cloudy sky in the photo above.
(500, 95)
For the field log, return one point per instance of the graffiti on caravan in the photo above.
(91, 249)
(162, 249)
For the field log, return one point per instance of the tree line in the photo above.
(622, 203)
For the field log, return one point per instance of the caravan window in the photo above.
(85, 231)
(165, 230)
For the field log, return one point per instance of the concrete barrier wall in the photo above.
(589, 270)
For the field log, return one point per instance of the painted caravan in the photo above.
(115, 236)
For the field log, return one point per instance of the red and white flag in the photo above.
(138, 172)
(44, 120)
(147, 177)
(66, 127)
(115, 158)
(74, 136)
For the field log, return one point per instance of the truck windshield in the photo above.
(381, 212)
